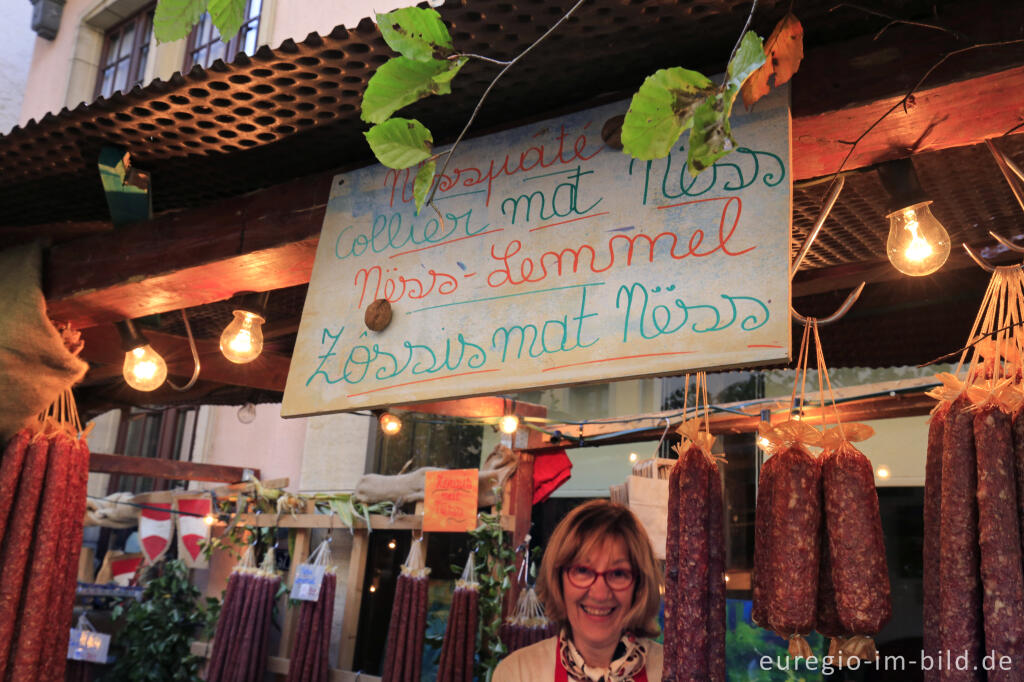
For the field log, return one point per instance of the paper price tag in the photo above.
(307, 582)
(88, 645)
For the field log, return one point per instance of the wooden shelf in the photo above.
(377, 521)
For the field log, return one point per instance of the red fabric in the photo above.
(550, 472)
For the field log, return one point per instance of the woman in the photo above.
(600, 581)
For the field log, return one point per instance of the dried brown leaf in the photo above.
(784, 50)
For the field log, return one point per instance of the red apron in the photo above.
(562, 676)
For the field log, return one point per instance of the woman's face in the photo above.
(597, 613)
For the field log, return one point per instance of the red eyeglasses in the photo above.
(583, 577)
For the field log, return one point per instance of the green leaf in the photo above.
(711, 137)
(227, 16)
(416, 33)
(421, 186)
(400, 142)
(400, 81)
(748, 59)
(344, 511)
(661, 110)
(174, 19)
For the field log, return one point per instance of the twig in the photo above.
(736, 47)
(490, 87)
(500, 62)
(894, 20)
(970, 345)
(902, 102)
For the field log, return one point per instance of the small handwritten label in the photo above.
(307, 582)
(450, 501)
(88, 645)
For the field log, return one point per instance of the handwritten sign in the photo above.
(450, 500)
(559, 260)
(308, 580)
(88, 645)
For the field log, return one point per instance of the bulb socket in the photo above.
(900, 181)
(131, 337)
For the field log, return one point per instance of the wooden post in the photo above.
(353, 599)
(291, 616)
(520, 499)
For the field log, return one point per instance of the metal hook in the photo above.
(195, 357)
(840, 311)
(830, 201)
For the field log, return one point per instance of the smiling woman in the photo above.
(600, 581)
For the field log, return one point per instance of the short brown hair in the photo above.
(587, 526)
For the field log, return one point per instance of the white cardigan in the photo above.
(536, 663)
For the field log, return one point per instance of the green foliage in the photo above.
(675, 100)
(495, 579)
(154, 641)
(173, 19)
(227, 16)
(400, 81)
(400, 142)
(424, 179)
(661, 110)
(416, 33)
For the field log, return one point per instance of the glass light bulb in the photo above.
(144, 369)
(918, 243)
(242, 340)
(509, 423)
(390, 424)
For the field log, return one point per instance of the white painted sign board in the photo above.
(560, 260)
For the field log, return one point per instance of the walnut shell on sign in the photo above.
(378, 315)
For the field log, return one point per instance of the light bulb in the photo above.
(918, 243)
(144, 369)
(509, 423)
(390, 424)
(392, 544)
(633, 456)
(883, 472)
(242, 340)
(763, 443)
(210, 519)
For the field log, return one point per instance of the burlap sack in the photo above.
(35, 367)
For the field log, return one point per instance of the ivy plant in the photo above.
(154, 642)
(494, 576)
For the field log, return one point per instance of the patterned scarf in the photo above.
(629, 659)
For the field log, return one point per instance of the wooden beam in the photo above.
(269, 371)
(258, 242)
(166, 468)
(952, 115)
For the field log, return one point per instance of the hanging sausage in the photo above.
(527, 623)
(404, 650)
(459, 646)
(694, 559)
(309, 656)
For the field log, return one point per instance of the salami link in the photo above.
(444, 665)
(325, 641)
(236, 627)
(673, 530)
(421, 626)
(931, 547)
(794, 534)
(459, 644)
(691, 611)
(472, 611)
(17, 543)
(393, 626)
(301, 642)
(42, 572)
(960, 623)
(716, 577)
(314, 635)
(999, 543)
(856, 541)
(762, 531)
(10, 472)
(828, 616)
(227, 622)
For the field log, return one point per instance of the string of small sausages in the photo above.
(308, 661)
(404, 649)
(44, 474)
(459, 646)
(527, 623)
(240, 642)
